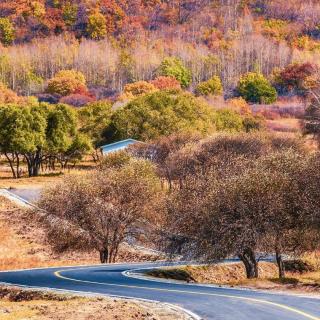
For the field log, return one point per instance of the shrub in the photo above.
(255, 88)
(239, 105)
(174, 67)
(253, 123)
(228, 120)
(139, 88)
(7, 95)
(166, 83)
(67, 82)
(76, 100)
(211, 87)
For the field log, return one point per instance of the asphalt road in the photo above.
(207, 302)
(31, 195)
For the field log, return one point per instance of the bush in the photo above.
(76, 100)
(255, 88)
(139, 88)
(66, 82)
(239, 105)
(211, 87)
(228, 120)
(166, 83)
(7, 95)
(298, 266)
(174, 67)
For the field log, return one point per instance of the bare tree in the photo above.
(106, 206)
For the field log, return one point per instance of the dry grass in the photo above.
(284, 125)
(17, 304)
(23, 244)
(233, 274)
(46, 178)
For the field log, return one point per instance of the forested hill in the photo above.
(129, 38)
(204, 21)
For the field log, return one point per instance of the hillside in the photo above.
(129, 39)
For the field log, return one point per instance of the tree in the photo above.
(22, 133)
(6, 31)
(211, 87)
(102, 209)
(67, 82)
(255, 88)
(96, 27)
(94, 119)
(160, 113)
(297, 78)
(174, 67)
(229, 196)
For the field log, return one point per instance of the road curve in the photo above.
(205, 301)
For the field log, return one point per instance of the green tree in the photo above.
(211, 87)
(22, 133)
(96, 27)
(94, 118)
(6, 31)
(160, 113)
(255, 88)
(174, 67)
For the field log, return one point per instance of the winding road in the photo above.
(208, 302)
(126, 280)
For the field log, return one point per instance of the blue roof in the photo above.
(116, 146)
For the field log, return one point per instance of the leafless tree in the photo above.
(102, 208)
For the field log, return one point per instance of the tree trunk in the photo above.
(280, 264)
(249, 260)
(11, 162)
(104, 256)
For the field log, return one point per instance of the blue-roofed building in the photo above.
(117, 146)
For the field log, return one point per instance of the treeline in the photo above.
(245, 195)
(42, 135)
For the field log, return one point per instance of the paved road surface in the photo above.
(207, 302)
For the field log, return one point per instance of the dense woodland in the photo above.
(114, 42)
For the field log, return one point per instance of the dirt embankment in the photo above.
(17, 304)
(233, 274)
